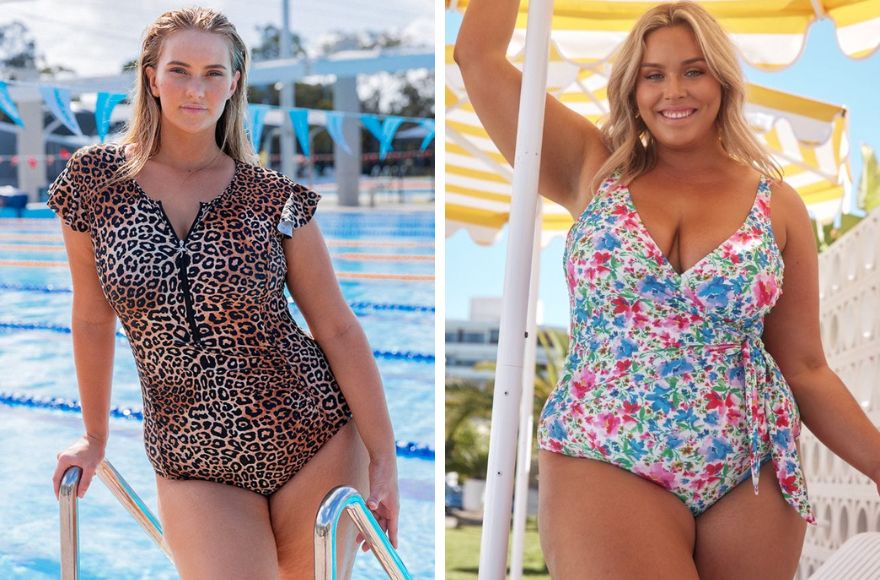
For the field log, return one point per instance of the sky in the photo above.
(97, 37)
(823, 72)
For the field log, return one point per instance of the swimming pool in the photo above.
(385, 264)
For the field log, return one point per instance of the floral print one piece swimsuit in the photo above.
(667, 375)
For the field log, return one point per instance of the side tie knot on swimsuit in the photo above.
(750, 347)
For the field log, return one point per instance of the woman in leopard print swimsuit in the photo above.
(181, 236)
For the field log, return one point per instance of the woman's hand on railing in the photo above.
(86, 453)
(384, 500)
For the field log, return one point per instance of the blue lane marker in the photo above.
(404, 448)
(416, 357)
(359, 305)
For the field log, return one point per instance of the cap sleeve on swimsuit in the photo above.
(67, 195)
(299, 209)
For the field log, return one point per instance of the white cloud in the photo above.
(419, 32)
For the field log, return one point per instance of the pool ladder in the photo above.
(338, 501)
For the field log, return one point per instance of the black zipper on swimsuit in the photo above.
(182, 261)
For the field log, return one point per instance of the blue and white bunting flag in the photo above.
(58, 101)
(300, 120)
(373, 125)
(389, 128)
(383, 131)
(383, 128)
(429, 125)
(335, 119)
(256, 121)
(103, 108)
(7, 105)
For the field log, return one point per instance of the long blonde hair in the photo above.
(144, 126)
(633, 149)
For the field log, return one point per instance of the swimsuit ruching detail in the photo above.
(234, 391)
(667, 376)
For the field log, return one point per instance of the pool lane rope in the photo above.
(383, 354)
(340, 275)
(344, 256)
(404, 448)
(358, 305)
(331, 242)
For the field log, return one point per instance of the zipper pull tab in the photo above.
(181, 258)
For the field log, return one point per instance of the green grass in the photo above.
(463, 553)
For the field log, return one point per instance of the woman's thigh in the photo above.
(341, 461)
(599, 521)
(217, 531)
(744, 535)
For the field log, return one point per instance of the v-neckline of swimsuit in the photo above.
(181, 242)
(666, 374)
(182, 258)
(650, 241)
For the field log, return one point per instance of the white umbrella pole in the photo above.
(511, 343)
(524, 451)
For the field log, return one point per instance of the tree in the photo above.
(469, 408)
(867, 198)
(269, 46)
(19, 57)
(407, 94)
(338, 41)
(18, 49)
(869, 184)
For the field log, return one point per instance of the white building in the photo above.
(475, 340)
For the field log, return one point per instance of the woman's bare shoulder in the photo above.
(94, 154)
(786, 205)
(591, 183)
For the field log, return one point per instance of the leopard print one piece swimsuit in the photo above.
(234, 391)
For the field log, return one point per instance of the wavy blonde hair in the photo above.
(144, 126)
(633, 149)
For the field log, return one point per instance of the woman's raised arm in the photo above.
(573, 149)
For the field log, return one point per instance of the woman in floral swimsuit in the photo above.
(178, 234)
(669, 446)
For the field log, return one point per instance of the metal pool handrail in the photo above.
(348, 500)
(67, 501)
(338, 501)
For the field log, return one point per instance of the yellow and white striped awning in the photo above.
(808, 139)
(770, 34)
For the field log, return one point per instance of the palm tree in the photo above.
(469, 407)
(868, 198)
(555, 345)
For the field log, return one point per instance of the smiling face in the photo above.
(193, 79)
(677, 97)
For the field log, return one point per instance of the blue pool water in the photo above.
(39, 362)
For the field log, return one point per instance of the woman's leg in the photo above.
(341, 461)
(744, 535)
(599, 521)
(217, 531)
